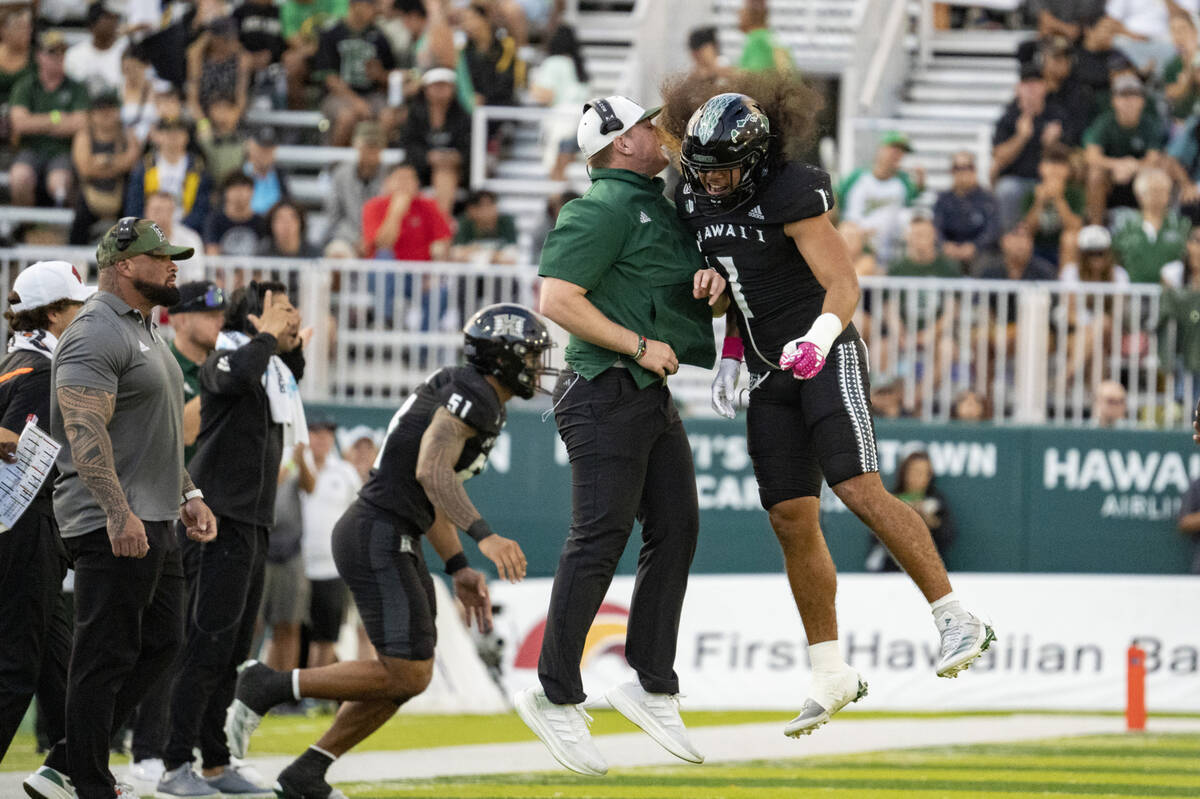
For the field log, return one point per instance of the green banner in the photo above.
(1026, 499)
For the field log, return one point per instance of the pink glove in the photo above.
(803, 358)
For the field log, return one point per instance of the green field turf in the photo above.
(1097, 767)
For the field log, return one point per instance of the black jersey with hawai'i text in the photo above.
(775, 292)
(392, 486)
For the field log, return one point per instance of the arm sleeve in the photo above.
(800, 192)
(238, 371)
(585, 242)
(89, 356)
(479, 410)
(27, 393)
(294, 361)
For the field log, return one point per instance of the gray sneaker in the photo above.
(46, 783)
(232, 783)
(964, 638)
(184, 783)
(829, 694)
(564, 731)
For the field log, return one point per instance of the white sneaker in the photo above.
(657, 715)
(149, 770)
(564, 731)
(964, 638)
(46, 783)
(829, 694)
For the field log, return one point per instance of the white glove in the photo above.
(724, 387)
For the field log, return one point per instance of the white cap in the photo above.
(46, 282)
(1094, 238)
(625, 112)
(438, 75)
(348, 438)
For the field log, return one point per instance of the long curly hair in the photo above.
(791, 104)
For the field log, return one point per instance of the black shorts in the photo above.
(326, 609)
(384, 568)
(800, 430)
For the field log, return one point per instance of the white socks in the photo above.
(948, 603)
(826, 656)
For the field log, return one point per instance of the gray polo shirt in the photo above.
(113, 348)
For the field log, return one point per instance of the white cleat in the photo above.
(564, 731)
(829, 694)
(964, 638)
(657, 715)
(149, 770)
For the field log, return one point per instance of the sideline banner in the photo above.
(1061, 645)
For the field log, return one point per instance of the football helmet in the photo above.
(509, 342)
(730, 131)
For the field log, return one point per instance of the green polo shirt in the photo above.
(1144, 254)
(1118, 142)
(623, 242)
(30, 94)
(191, 389)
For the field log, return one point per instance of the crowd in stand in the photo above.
(102, 125)
(1094, 170)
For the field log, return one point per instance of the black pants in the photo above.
(630, 458)
(149, 724)
(35, 631)
(225, 585)
(128, 614)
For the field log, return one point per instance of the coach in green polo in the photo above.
(626, 280)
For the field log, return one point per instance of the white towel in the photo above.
(42, 341)
(283, 393)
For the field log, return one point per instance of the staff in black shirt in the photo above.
(35, 636)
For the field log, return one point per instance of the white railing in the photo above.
(1035, 352)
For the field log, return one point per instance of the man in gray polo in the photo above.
(118, 410)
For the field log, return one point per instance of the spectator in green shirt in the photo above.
(47, 109)
(1122, 140)
(301, 23)
(1151, 244)
(1179, 74)
(761, 52)
(484, 234)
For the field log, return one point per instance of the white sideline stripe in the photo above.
(843, 735)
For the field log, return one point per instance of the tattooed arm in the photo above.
(86, 413)
(441, 447)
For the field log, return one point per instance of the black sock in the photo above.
(262, 688)
(313, 763)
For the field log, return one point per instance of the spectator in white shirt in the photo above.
(96, 62)
(335, 488)
(1145, 34)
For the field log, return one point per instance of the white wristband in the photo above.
(824, 330)
(195, 493)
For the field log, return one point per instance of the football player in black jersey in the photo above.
(439, 437)
(762, 219)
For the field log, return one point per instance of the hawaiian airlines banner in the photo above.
(1062, 642)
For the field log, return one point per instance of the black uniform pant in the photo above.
(35, 631)
(630, 458)
(225, 584)
(149, 723)
(128, 614)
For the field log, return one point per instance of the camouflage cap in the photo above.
(132, 236)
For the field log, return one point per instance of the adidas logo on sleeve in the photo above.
(645, 217)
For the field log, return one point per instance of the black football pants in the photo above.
(630, 459)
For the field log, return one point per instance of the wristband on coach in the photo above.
(641, 348)
(456, 562)
(734, 348)
(195, 493)
(479, 530)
